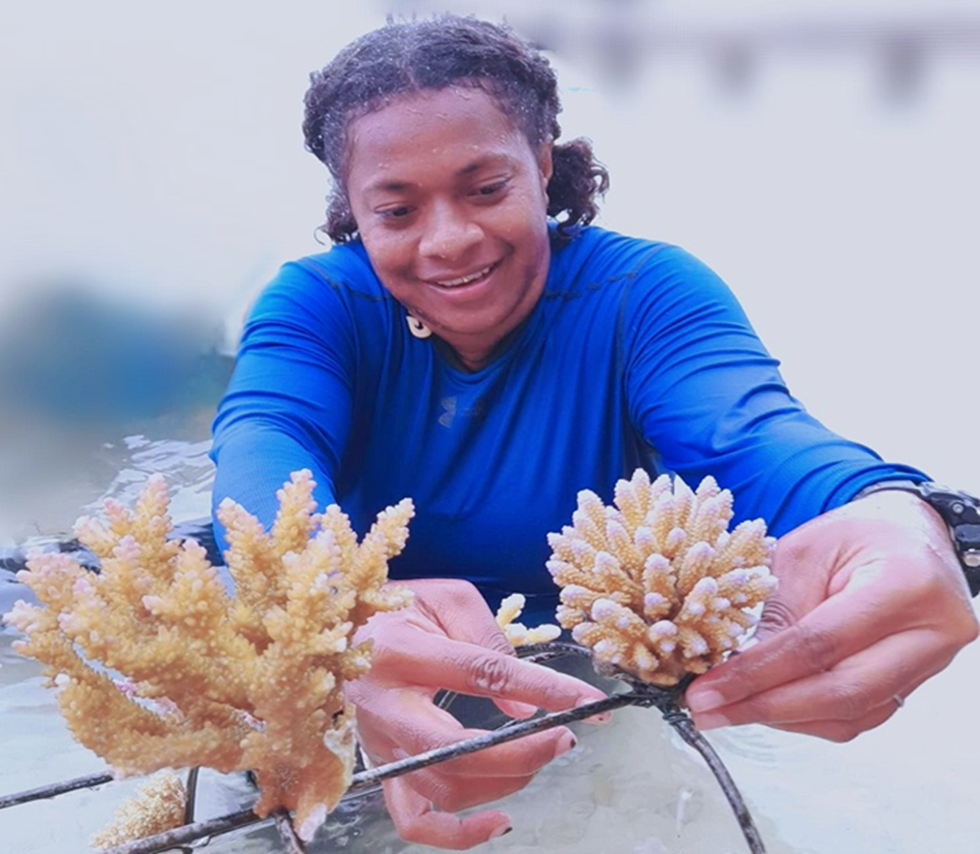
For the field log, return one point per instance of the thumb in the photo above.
(802, 586)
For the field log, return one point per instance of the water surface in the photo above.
(908, 787)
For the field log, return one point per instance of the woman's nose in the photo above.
(448, 232)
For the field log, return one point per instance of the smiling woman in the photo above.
(561, 356)
(460, 236)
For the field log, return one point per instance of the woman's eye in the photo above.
(490, 189)
(395, 213)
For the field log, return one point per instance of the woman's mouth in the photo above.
(472, 278)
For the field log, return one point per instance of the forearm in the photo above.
(709, 399)
(253, 464)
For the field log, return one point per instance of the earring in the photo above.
(417, 327)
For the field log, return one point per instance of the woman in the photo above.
(472, 342)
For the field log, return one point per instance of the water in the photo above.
(631, 786)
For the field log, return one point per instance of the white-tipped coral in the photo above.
(157, 666)
(517, 633)
(656, 585)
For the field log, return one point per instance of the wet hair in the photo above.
(432, 54)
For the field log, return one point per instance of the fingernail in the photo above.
(703, 699)
(566, 744)
(501, 831)
(712, 720)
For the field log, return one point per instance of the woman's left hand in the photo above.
(447, 639)
(871, 603)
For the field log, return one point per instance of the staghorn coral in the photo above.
(158, 805)
(158, 666)
(656, 585)
(517, 633)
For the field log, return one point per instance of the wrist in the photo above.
(959, 513)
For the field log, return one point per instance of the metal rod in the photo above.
(685, 727)
(284, 824)
(190, 802)
(180, 836)
(372, 776)
(193, 777)
(667, 700)
(533, 652)
(54, 789)
(640, 694)
(519, 729)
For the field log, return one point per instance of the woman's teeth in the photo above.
(465, 280)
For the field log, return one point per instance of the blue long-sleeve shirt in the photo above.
(635, 355)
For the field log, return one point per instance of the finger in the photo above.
(523, 711)
(467, 617)
(417, 821)
(844, 694)
(522, 757)
(441, 662)
(842, 731)
(452, 793)
(462, 612)
(417, 727)
(838, 628)
(846, 730)
(513, 709)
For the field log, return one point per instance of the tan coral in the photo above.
(157, 665)
(517, 633)
(158, 805)
(656, 585)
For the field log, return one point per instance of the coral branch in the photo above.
(157, 806)
(517, 633)
(158, 666)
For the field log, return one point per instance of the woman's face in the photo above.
(450, 201)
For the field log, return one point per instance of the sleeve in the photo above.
(708, 398)
(288, 405)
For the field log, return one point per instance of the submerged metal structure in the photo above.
(635, 693)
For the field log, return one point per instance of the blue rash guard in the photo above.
(635, 355)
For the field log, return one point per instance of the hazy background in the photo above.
(821, 155)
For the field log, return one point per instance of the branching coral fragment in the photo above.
(158, 666)
(158, 805)
(517, 633)
(656, 585)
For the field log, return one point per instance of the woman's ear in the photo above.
(545, 162)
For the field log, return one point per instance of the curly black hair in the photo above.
(447, 50)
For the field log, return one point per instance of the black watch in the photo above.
(960, 511)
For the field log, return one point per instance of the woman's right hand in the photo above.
(448, 639)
